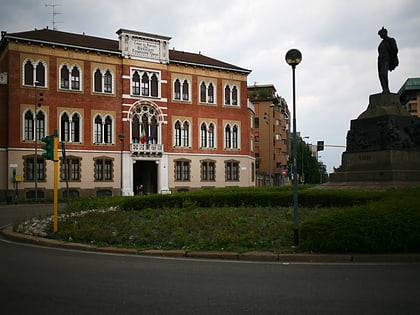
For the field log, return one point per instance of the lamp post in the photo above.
(293, 58)
(121, 137)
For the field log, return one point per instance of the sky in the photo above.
(338, 40)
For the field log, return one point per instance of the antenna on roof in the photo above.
(54, 13)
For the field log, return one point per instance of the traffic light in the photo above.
(320, 146)
(48, 146)
(40, 99)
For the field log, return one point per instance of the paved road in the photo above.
(39, 280)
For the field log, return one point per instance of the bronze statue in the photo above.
(387, 58)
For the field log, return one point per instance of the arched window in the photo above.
(29, 73)
(75, 78)
(178, 133)
(145, 85)
(40, 125)
(40, 74)
(211, 136)
(75, 128)
(97, 134)
(98, 81)
(64, 77)
(108, 130)
(203, 136)
(177, 89)
(235, 137)
(154, 85)
(228, 139)
(234, 95)
(185, 91)
(108, 82)
(29, 126)
(135, 129)
(210, 93)
(136, 83)
(65, 127)
(227, 95)
(203, 91)
(186, 134)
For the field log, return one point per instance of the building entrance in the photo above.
(145, 177)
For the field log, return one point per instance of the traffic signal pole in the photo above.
(55, 146)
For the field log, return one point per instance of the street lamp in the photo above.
(36, 141)
(293, 58)
(121, 137)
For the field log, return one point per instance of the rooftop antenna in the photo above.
(54, 13)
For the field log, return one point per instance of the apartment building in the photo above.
(272, 135)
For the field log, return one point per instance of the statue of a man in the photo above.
(387, 58)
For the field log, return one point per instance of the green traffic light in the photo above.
(48, 146)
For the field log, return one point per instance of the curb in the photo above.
(9, 234)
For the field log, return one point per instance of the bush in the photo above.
(388, 225)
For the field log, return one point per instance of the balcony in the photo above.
(146, 149)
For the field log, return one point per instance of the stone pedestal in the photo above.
(383, 145)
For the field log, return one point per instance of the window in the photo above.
(182, 170)
(145, 83)
(70, 127)
(207, 135)
(145, 125)
(207, 93)
(103, 169)
(182, 134)
(227, 95)
(231, 95)
(185, 91)
(69, 80)
(102, 130)
(34, 72)
(108, 82)
(28, 132)
(177, 90)
(64, 77)
(29, 122)
(102, 81)
(97, 136)
(135, 83)
(75, 78)
(232, 171)
(231, 137)
(29, 171)
(70, 168)
(208, 170)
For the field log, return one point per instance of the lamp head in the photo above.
(293, 57)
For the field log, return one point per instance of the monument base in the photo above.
(378, 166)
(383, 146)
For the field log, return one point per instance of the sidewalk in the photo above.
(9, 234)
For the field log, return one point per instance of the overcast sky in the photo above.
(338, 40)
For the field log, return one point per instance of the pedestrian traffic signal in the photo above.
(48, 146)
(40, 99)
(320, 146)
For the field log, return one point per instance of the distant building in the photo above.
(272, 134)
(131, 113)
(410, 96)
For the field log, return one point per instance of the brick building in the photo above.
(272, 135)
(130, 112)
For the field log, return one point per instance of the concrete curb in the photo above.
(9, 234)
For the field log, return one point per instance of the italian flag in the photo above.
(143, 136)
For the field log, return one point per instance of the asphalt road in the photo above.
(38, 280)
